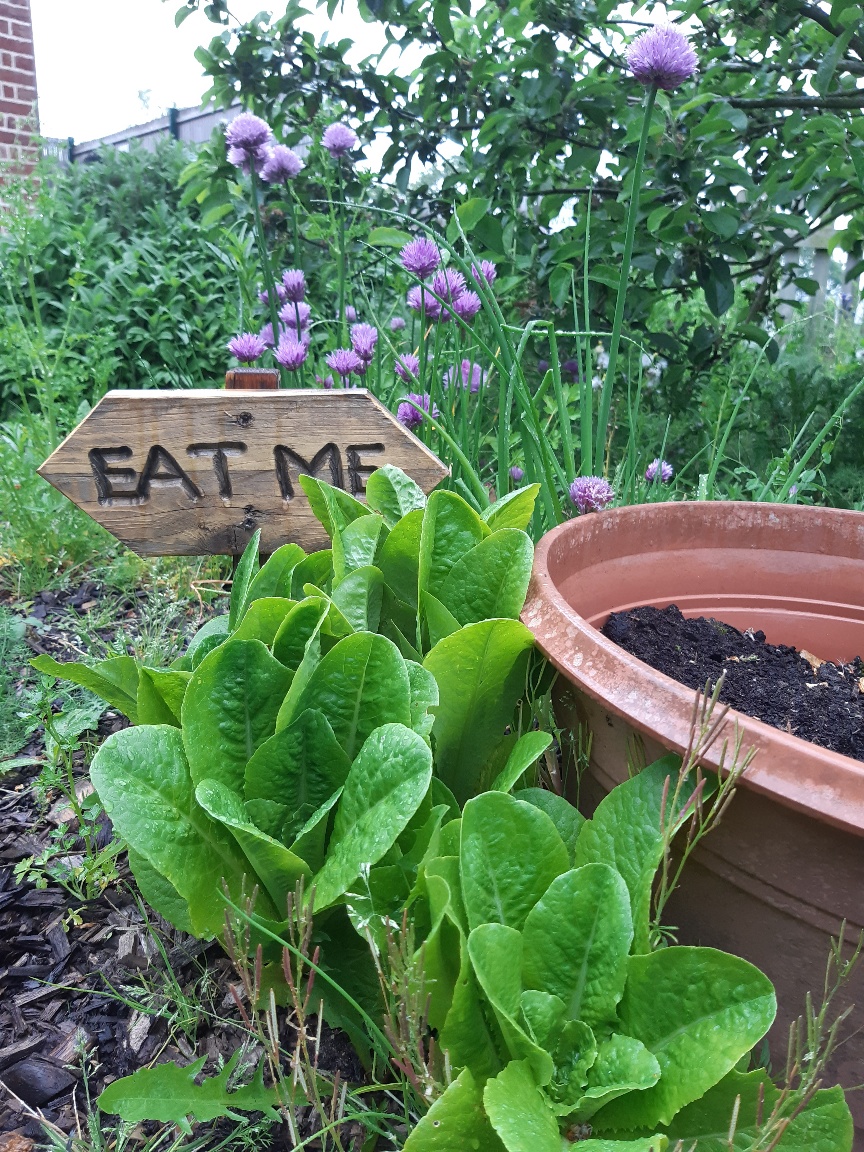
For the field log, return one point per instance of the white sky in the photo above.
(104, 65)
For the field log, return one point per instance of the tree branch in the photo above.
(853, 100)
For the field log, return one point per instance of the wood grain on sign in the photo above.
(191, 473)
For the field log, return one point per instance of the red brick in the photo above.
(15, 9)
(17, 111)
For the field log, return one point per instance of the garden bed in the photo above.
(795, 691)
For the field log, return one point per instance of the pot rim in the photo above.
(796, 773)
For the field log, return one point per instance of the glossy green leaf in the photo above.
(491, 579)
(518, 1112)
(208, 637)
(168, 1093)
(278, 868)
(577, 941)
(230, 709)
(385, 786)
(316, 569)
(399, 559)
(115, 681)
(698, 1011)
(160, 695)
(388, 238)
(298, 767)
(358, 596)
(144, 782)
(657, 1143)
(566, 818)
(624, 832)
(244, 574)
(623, 1064)
(393, 494)
(356, 545)
(310, 842)
(301, 624)
(496, 957)
(440, 621)
(574, 1054)
(275, 575)
(333, 507)
(423, 688)
(450, 529)
(511, 852)
(825, 1125)
(527, 749)
(359, 685)
(513, 510)
(456, 1122)
(263, 619)
(160, 893)
(481, 674)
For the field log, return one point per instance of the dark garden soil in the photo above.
(104, 986)
(795, 691)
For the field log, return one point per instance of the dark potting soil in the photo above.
(819, 701)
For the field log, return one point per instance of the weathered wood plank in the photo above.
(195, 472)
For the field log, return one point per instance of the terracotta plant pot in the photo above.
(785, 867)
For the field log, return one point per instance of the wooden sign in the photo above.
(190, 473)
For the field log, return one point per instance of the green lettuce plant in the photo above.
(560, 1021)
(322, 730)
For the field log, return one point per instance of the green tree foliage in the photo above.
(765, 145)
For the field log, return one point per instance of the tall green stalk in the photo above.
(342, 270)
(632, 214)
(265, 267)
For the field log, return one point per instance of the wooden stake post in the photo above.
(192, 473)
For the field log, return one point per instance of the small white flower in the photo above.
(596, 383)
(859, 355)
(602, 359)
(646, 360)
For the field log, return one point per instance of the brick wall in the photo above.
(19, 117)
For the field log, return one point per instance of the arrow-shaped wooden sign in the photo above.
(191, 473)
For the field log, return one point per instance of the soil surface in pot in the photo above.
(795, 691)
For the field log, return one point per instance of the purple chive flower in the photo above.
(339, 140)
(449, 284)
(281, 164)
(292, 312)
(467, 306)
(246, 161)
(248, 138)
(397, 324)
(291, 353)
(293, 285)
(472, 376)
(542, 367)
(488, 272)
(324, 381)
(364, 337)
(344, 361)
(266, 335)
(247, 132)
(420, 256)
(591, 493)
(350, 313)
(659, 469)
(418, 297)
(516, 473)
(246, 347)
(408, 415)
(571, 367)
(281, 295)
(407, 366)
(662, 56)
